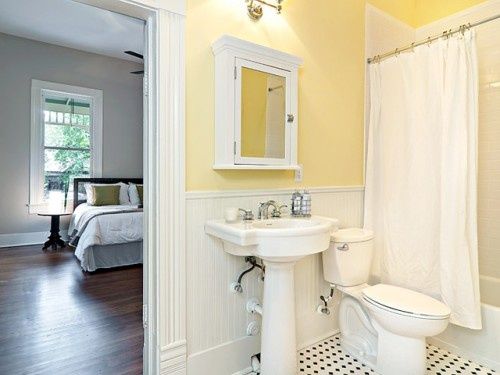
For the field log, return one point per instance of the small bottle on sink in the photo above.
(305, 204)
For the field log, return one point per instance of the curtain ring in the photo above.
(412, 46)
(429, 41)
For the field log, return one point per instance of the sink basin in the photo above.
(284, 239)
(280, 243)
(285, 223)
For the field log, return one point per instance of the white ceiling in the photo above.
(74, 25)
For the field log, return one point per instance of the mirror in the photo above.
(256, 106)
(263, 117)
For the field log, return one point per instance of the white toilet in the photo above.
(383, 326)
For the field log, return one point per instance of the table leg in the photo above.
(54, 238)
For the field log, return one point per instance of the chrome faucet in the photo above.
(247, 214)
(264, 209)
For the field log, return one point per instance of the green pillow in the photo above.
(140, 192)
(105, 195)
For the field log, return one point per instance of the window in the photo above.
(66, 136)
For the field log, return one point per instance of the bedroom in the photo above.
(71, 146)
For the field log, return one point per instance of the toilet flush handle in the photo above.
(344, 247)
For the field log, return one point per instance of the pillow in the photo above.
(105, 195)
(140, 191)
(135, 193)
(124, 198)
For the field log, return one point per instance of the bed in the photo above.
(105, 236)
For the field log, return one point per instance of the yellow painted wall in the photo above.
(417, 13)
(403, 10)
(253, 116)
(427, 11)
(329, 36)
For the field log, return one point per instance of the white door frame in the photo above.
(164, 225)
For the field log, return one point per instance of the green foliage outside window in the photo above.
(73, 160)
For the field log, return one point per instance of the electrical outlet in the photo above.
(298, 174)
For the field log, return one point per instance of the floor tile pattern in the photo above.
(328, 358)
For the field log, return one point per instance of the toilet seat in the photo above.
(405, 302)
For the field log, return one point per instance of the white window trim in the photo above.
(36, 145)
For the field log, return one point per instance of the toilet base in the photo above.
(377, 348)
(400, 354)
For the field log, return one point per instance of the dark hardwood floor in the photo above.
(55, 319)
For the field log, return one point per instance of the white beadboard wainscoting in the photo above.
(216, 317)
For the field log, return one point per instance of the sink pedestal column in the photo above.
(278, 345)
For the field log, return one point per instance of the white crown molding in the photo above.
(200, 194)
(228, 42)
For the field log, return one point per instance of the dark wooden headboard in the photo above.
(79, 186)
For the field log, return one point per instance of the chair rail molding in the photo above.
(164, 221)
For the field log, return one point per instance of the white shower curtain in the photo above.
(421, 173)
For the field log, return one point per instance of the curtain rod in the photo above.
(431, 39)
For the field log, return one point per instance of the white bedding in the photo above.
(118, 228)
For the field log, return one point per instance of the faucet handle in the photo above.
(247, 214)
(277, 212)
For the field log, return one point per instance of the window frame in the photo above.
(37, 160)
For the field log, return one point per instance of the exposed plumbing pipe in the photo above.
(256, 363)
(236, 286)
(254, 306)
(323, 308)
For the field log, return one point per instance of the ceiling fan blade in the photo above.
(138, 72)
(135, 54)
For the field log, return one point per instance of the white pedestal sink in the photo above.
(280, 243)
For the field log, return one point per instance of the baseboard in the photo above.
(173, 358)
(464, 353)
(226, 359)
(317, 339)
(233, 358)
(246, 371)
(24, 239)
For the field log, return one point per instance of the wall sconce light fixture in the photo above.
(255, 11)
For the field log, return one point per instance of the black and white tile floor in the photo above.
(328, 358)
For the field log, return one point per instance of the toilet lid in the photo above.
(352, 235)
(406, 301)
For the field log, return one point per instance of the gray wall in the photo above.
(22, 60)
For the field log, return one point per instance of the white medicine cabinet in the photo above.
(256, 95)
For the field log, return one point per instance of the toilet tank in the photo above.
(348, 259)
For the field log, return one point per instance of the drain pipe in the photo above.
(254, 306)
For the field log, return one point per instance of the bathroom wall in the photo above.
(329, 36)
(217, 318)
(417, 13)
(403, 10)
(427, 11)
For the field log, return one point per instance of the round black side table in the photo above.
(54, 238)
